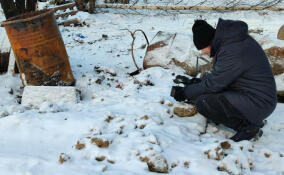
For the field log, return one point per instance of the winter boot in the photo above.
(248, 132)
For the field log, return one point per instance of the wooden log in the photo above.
(162, 7)
(64, 7)
(75, 22)
(63, 15)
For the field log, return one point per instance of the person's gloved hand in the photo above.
(195, 81)
(186, 81)
(178, 93)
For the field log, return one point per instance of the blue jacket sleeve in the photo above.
(226, 69)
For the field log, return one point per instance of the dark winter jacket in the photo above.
(241, 72)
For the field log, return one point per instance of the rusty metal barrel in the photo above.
(39, 49)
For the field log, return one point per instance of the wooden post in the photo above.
(21, 6)
(31, 5)
(12, 8)
(9, 8)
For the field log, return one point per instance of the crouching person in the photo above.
(240, 91)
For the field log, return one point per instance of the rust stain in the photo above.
(156, 45)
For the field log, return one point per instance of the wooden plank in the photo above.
(63, 15)
(161, 7)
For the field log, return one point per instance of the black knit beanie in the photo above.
(203, 34)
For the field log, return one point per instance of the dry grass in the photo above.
(109, 118)
(145, 117)
(225, 145)
(100, 143)
(63, 158)
(101, 158)
(80, 146)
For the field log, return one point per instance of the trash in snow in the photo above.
(80, 35)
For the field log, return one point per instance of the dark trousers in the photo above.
(218, 109)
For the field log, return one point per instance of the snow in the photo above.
(34, 96)
(131, 117)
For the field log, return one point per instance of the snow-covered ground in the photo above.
(122, 120)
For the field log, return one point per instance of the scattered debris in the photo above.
(11, 91)
(105, 70)
(173, 165)
(145, 83)
(225, 145)
(100, 143)
(73, 22)
(216, 154)
(267, 155)
(109, 118)
(104, 36)
(145, 117)
(100, 79)
(257, 31)
(63, 158)
(185, 112)
(86, 5)
(111, 161)
(80, 146)
(156, 163)
(80, 35)
(186, 164)
(170, 104)
(118, 86)
(101, 158)
(275, 52)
